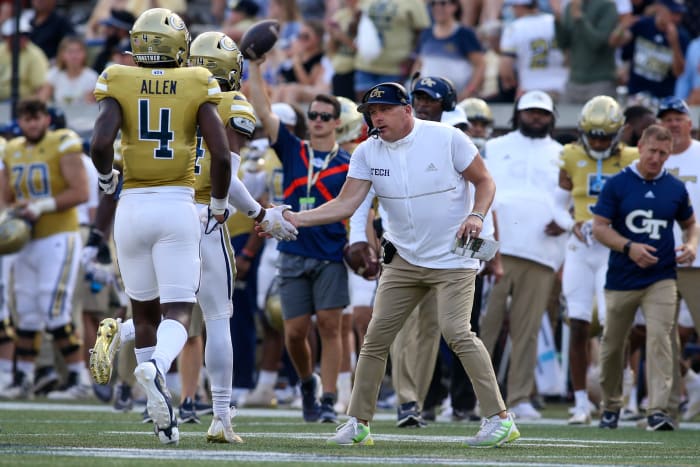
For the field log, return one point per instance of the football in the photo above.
(362, 260)
(14, 233)
(259, 38)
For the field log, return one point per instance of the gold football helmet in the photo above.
(476, 109)
(219, 54)
(273, 307)
(601, 117)
(14, 233)
(242, 115)
(159, 37)
(351, 121)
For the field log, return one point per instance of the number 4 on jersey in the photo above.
(163, 134)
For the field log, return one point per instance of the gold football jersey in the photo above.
(233, 105)
(35, 172)
(587, 180)
(159, 120)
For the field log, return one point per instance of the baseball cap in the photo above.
(536, 100)
(455, 117)
(384, 93)
(285, 112)
(436, 88)
(674, 6)
(672, 103)
(120, 19)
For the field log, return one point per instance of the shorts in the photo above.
(196, 322)
(361, 290)
(308, 285)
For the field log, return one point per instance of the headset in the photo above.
(401, 93)
(449, 100)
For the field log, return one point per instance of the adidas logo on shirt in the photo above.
(649, 195)
(431, 168)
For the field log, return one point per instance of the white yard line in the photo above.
(233, 455)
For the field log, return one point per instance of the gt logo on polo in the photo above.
(376, 93)
(646, 225)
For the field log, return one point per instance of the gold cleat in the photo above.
(218, 433)
(106, 347)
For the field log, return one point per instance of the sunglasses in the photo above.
(325, 116)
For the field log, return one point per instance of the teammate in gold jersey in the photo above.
(46, 180)
(219, 54)
(585, 166)
(7, 334)
(158, 107)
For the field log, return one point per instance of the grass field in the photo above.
(47, 434)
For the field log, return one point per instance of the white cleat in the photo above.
(105, 349)
(525, 411)
(159, 404)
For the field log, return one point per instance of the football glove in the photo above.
(274, 223)
(209, 222)
(108, 182)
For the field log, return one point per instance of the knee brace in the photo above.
(34, 337)
(66, 338)
(7, 332)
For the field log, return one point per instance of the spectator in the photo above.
(634, 217)
(117, 28)
(313, 277)
(451, 50)
(287, 13)
(655, 46)
(33, 64)
(342, 29)
(49, 27)
(688, 83)
(477, 12)
(530, 58)
(398, 25)
(100, 12)
(524, 166)
(303, 75)
(582, 30)
(243, 15)
(70, 81)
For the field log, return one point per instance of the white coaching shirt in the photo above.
(418, 181)
(686, 167)
(526, 173)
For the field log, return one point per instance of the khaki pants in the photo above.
(414, 352)
(688, 282)
(658, 303)
(529, 285)
(401, 287)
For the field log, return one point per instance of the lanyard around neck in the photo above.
(311, 177)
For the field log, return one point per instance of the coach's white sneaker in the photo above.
(262, 396)
(158, 404)
(525, 411)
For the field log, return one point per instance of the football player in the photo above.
(47, 180)
(158, 106)
(480, 120)
(585, 166)
(7, 334)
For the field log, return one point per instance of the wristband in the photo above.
(626, 248)
(247, 254)
(478, 214)
(42, 205)
(218, 205)
(260, 215)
